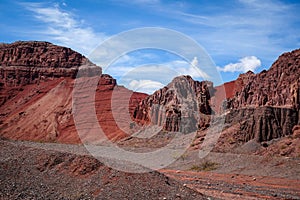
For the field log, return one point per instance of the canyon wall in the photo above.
(264, 105)
(278, 86)
(267, 104)
(37, 82)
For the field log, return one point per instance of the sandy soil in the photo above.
(51, 170)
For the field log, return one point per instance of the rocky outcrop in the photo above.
(176, 107)
(23, 63)
(263, 123)
(266, 105)
(279, 86)
(39, 55)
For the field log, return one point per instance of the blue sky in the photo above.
(239, 35)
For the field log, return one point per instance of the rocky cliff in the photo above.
(278, 86)
(259, 107)
(177, 106)
(39, 55)
(37, 82)
(23, 63)
(36, 87)
(263, 123)
(264, 106)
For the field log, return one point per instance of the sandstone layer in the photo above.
(36, 93)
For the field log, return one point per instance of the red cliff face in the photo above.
(279, 86)
(258, 107)
(37, 84)
(266, 105)
(36, 87)
(176, 106)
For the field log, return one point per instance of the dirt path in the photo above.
(237, 186)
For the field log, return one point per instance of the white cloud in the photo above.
(163, 72)
(195, 62)
(148, 78)
(63, 28)
(156, 73)
(267, 5)
(132, 72)
(245, 64)
(243, 27)
(147, 86)
(194, 70)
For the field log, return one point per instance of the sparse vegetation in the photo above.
(196, 168)
(182, 157)
(206, 166)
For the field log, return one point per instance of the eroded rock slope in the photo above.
(36, 90)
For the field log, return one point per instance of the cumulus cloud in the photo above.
(245, 64)
(62, 27)
(147, 86)
(195, 62)
(194, 70)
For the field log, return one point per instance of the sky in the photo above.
(238, 35)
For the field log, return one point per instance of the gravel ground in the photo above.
(30, 171)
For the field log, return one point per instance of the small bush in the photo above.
(196, 168)
(206, 166)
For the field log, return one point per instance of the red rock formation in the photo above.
(24, 63)
(36, 86)
(39, 54)
(176, 106)
(279, 86)
(260, 106)
(263, 123)
(266, 105)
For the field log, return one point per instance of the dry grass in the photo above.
(206, 166)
